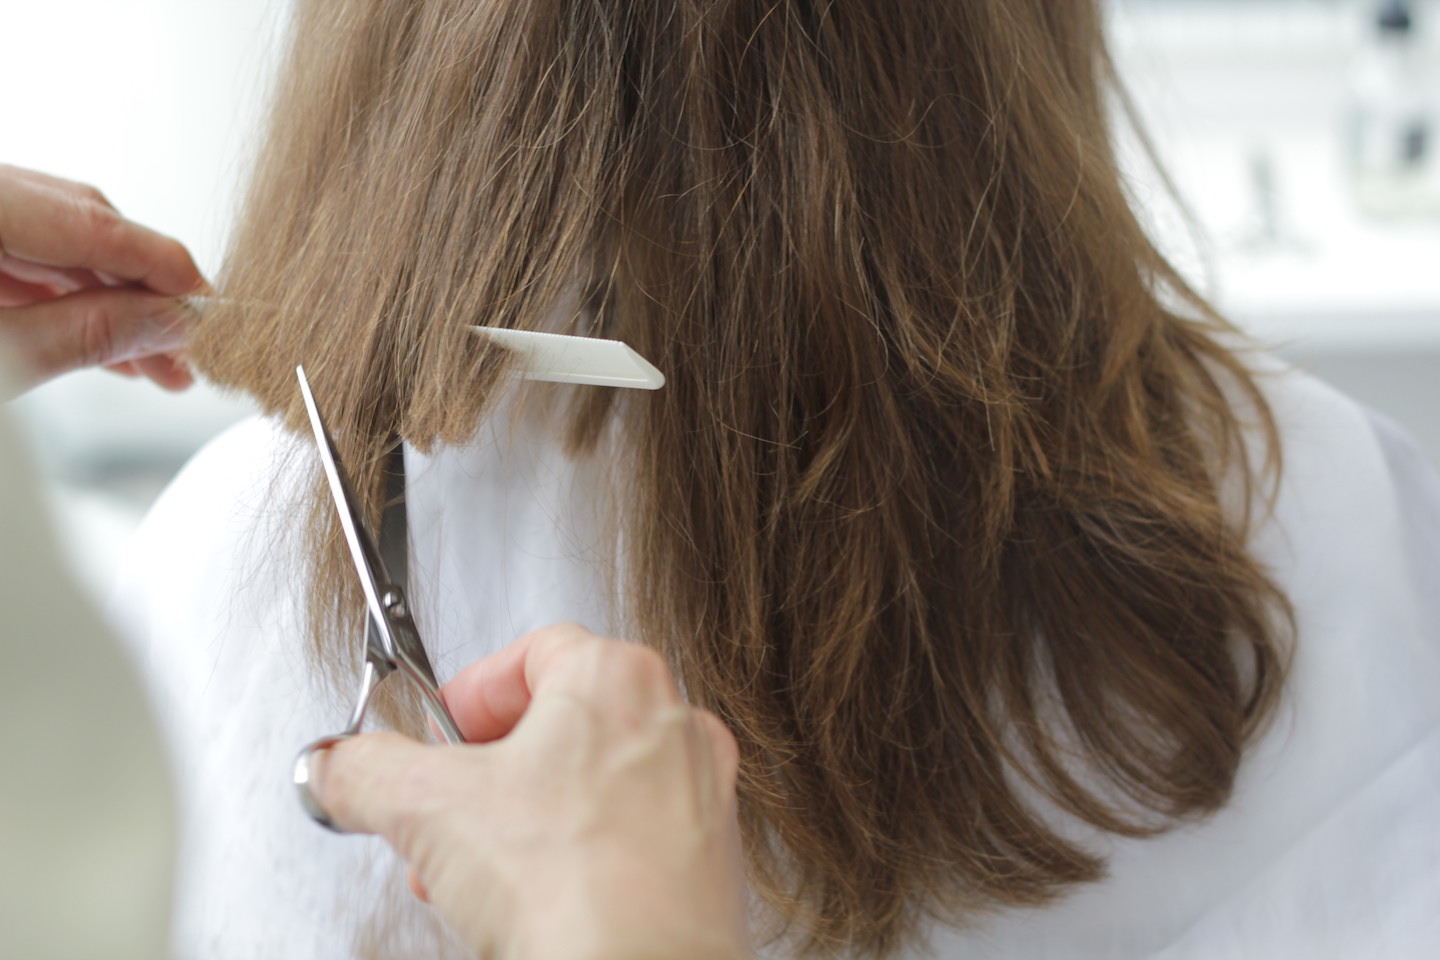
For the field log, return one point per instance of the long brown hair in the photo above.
(930, 509)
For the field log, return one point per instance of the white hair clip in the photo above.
(558, 358)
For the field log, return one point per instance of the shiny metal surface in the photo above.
(363, 553)
(392, 641)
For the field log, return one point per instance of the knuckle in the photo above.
(94, 340)
(642, 659)
(723, 754)
(101, 221)
(95, 226)
(172, 250)
(722, 740)
(646, 664)
(93, 194)
(566, 632)
(564, 642)
(176, 254)
(556, 635)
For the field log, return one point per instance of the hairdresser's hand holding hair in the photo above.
(595, 817)
(82, 286)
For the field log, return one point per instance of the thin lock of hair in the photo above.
(929, 511)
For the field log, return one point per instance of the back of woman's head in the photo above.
(929, 509)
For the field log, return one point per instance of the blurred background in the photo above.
(1300, 133)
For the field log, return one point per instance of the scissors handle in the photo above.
(302, 781)
(376, 670)
(410, 660)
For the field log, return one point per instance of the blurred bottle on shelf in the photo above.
(1393, 142)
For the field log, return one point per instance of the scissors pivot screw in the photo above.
(394, 603)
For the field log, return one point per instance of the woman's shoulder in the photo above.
(1352, 536)
(1354, 541)
(236, 462)
(1341, 470)
(208, 540)
(1315, 420)
(223, 493)
(1345, 471)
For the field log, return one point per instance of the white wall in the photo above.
(1230, 87)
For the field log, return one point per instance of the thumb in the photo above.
(375, 783)
(95, 327)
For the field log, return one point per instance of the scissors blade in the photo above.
(394, 551)
(394, 540)
(363, 553)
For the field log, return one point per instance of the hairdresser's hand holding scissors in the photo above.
(595, 817)
(82, 286)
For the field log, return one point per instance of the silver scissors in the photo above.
(391, 641)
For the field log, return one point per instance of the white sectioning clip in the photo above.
(558, 358)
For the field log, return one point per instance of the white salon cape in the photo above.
(86, 815)
(1330, 847)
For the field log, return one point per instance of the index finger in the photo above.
(489, 697)
(56, 228)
